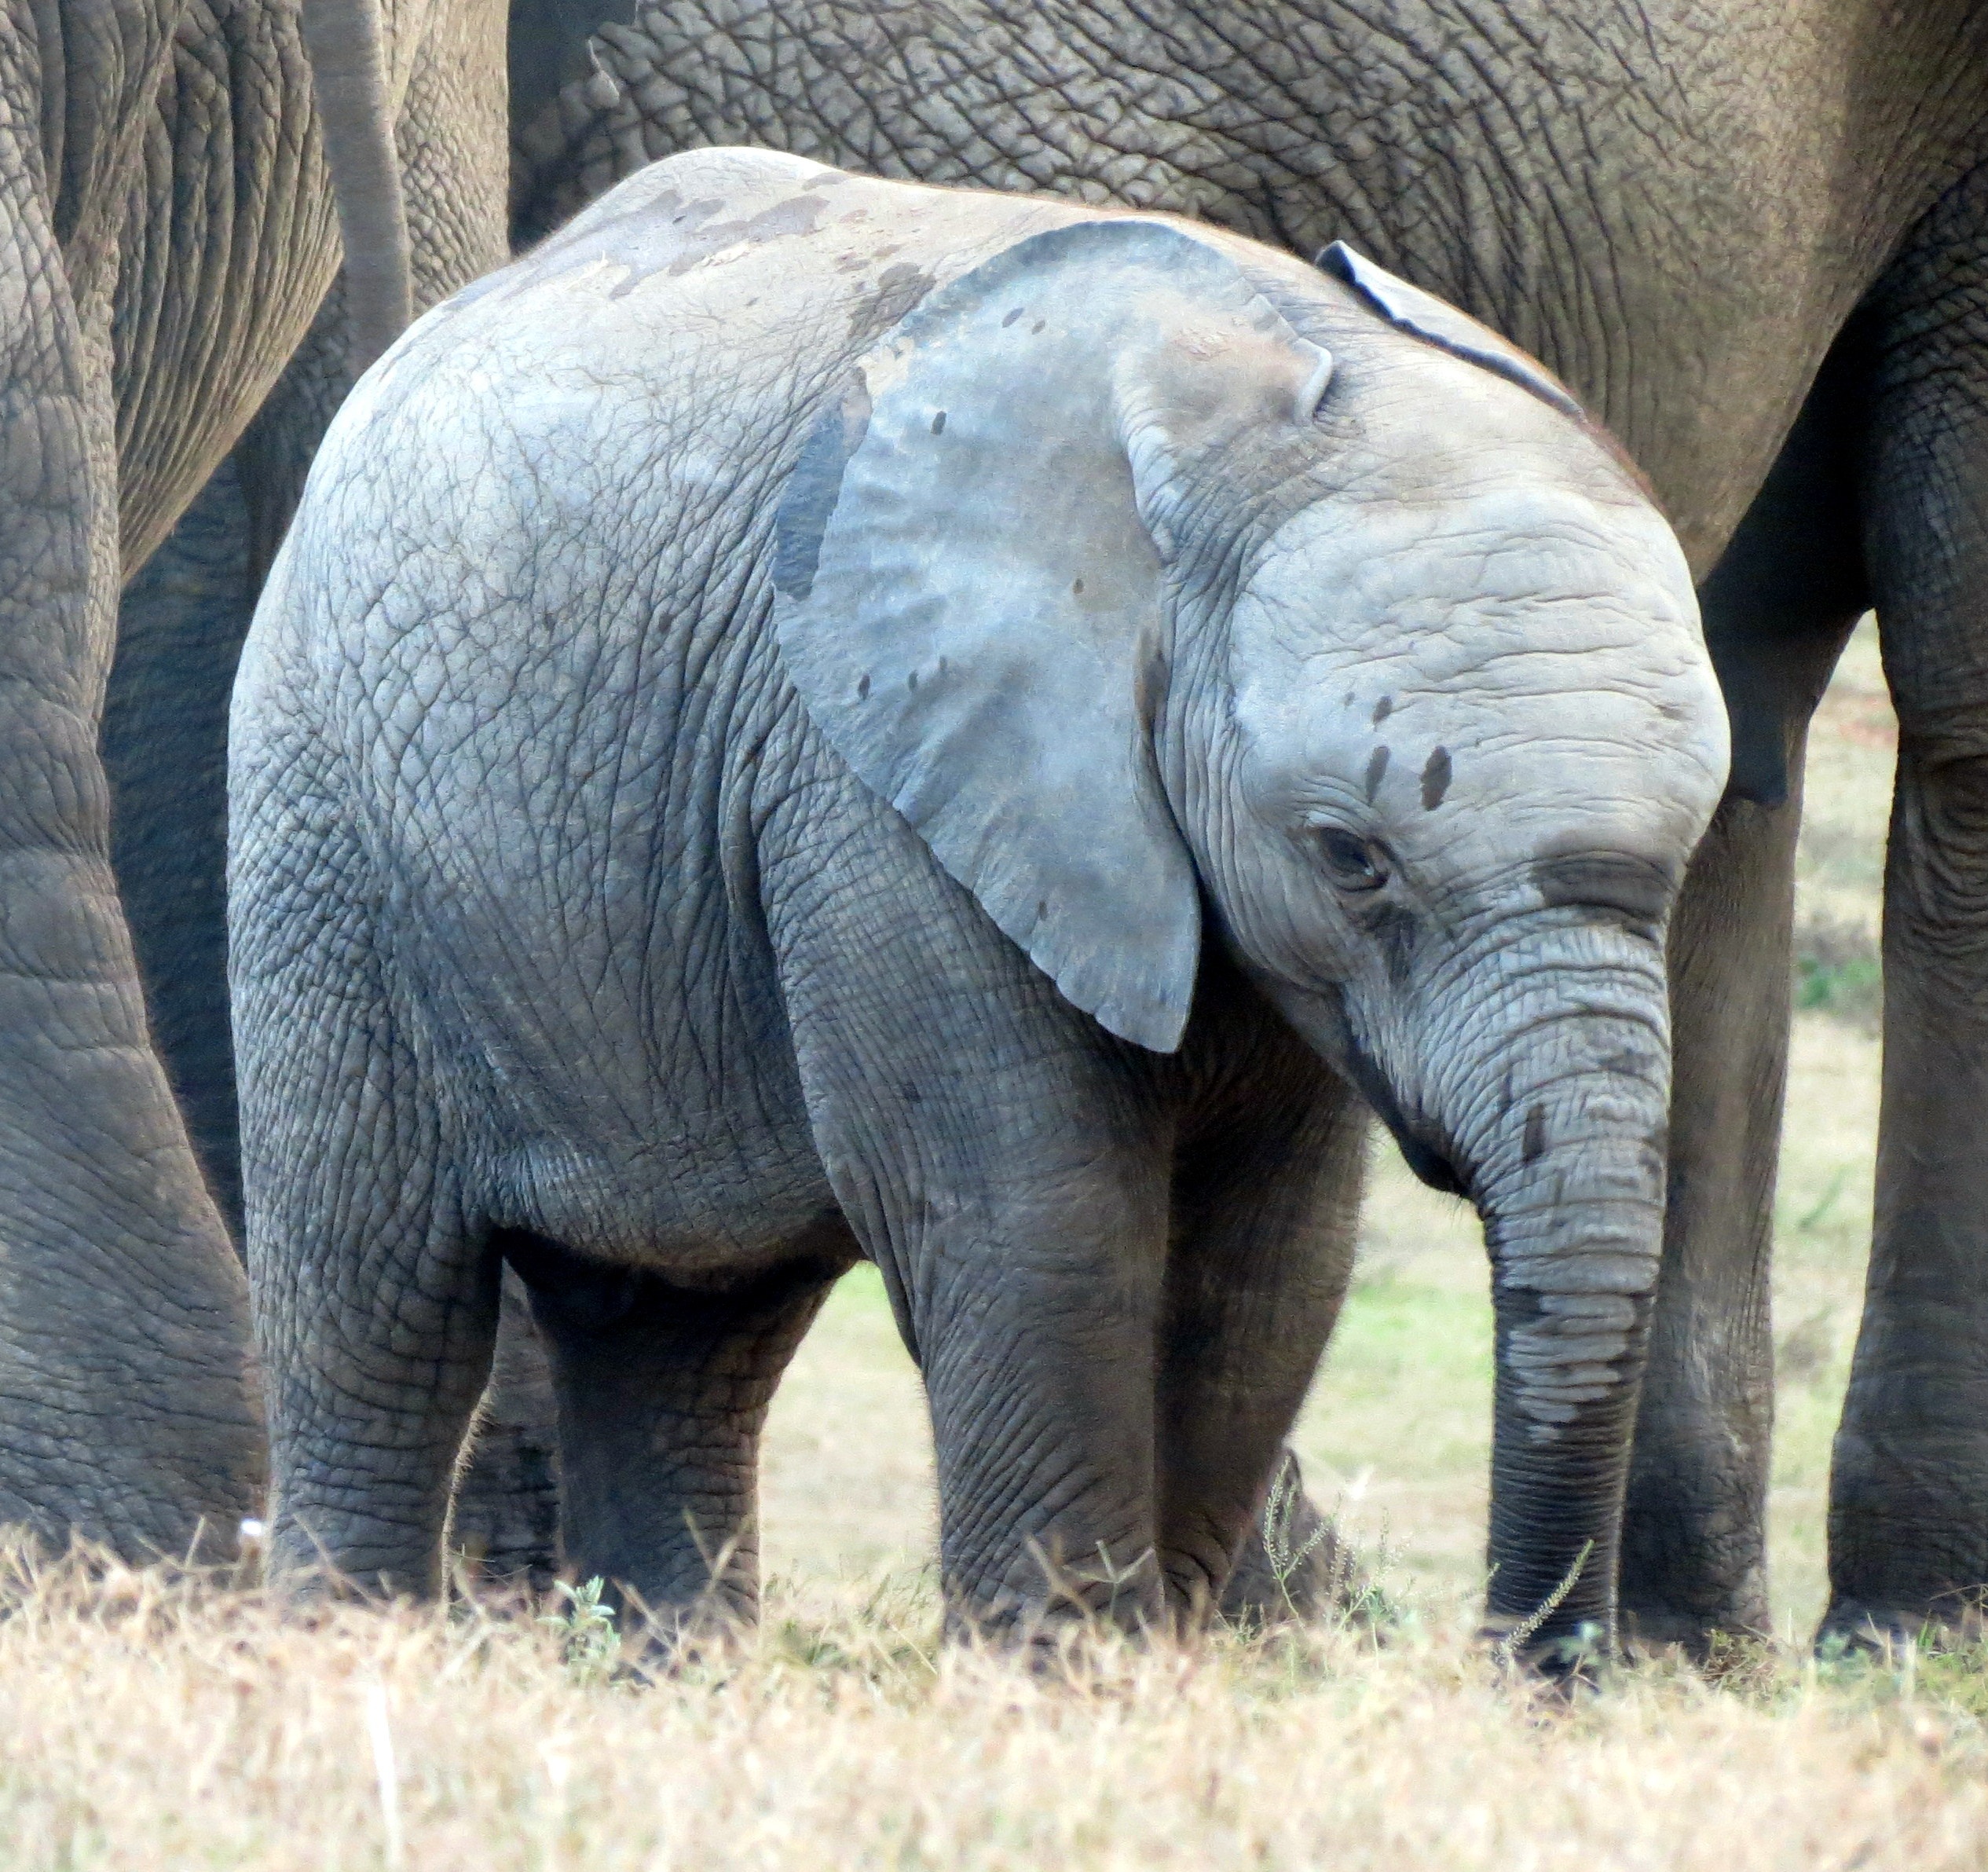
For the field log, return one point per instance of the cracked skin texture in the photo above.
(1753, 239)
(1585, 180)
(165, 237)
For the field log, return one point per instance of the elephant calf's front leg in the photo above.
(1265, 1216)
(1037, 1334)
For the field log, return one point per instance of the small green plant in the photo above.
(593, 1641)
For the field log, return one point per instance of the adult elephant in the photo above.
(168, 235)
(1755, 239)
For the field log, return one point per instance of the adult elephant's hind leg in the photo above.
(126, 1415)
(1777, 611)
(662, 1391)
(1908, 1486)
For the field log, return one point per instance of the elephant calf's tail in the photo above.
(349, 72)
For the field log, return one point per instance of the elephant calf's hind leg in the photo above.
(662, 1392)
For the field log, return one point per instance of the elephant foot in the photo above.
(1854, 1627)
(1710, 1616)
(1714, 1644)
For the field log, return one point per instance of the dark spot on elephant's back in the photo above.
(1376, 772)
(1623, 886)
(897, 289)
(1382, 709)
(938, 423)
(1533, 1147)
(1435, 779)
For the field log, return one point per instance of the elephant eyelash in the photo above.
(1352, 862)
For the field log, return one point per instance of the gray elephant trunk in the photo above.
(1568, 1178)
(1572, 1295)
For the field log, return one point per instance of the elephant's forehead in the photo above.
(1529, 668)
(1517, 579)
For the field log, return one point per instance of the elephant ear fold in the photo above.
(971, 583)
(1443, 325)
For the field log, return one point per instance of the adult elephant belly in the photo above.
(1586, 182)
(229, 241)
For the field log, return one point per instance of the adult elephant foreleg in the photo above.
(123, 1339)
(1908, 1488)
(1777, 609)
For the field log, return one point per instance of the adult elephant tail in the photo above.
(349, 70)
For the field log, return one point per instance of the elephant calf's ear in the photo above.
(974, 612)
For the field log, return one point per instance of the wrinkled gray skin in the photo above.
(168, 237)
(1755, 240)
(1752, 239)
(814, 717)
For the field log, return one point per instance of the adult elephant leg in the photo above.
(662, 1392)
(1265, 1204)
(123, 1315)
(1908, 1488)
(164, 750)
(1777, 610)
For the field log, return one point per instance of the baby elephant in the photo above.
(815, 718)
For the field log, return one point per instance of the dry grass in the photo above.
(155, 1725)
(145, 1722)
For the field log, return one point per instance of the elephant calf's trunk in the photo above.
(1575, 1247)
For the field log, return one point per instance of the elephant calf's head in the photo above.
(1125, 574)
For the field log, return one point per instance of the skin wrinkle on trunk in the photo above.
(1563, 1151)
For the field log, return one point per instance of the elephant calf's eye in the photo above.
(1353, 864)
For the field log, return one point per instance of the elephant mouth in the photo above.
(1432, 1156)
